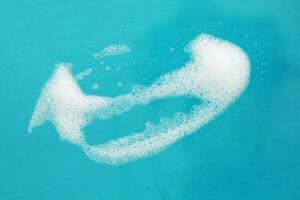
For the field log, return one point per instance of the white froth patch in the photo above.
(112, 50)
(64, 104)
(216, 74)
(222, 66)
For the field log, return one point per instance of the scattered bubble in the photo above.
(95, 86)
(119, 84)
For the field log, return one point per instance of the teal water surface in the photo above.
(251, 151)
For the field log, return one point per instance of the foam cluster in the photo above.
(217, 73)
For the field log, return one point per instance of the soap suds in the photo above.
(112, 50)
(217, 73)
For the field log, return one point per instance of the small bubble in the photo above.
(261, 52)
(171, 49)
(255, 44)
(107, 68)
(119, 84)
(95, 86)
(101, 62)
(118, 68)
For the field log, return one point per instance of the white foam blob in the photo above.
(112, 50)
(216, 74)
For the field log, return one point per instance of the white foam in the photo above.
(64, 104)
(216, 74)
(112, 50)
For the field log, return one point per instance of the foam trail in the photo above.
(153, 139)
(217, 74)
(83, 74)
(112, 50)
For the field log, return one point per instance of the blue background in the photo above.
(251, 151)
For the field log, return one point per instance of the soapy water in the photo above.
(217, 73)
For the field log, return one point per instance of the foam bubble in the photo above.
(216, 74)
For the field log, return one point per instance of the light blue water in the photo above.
(249, 152)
